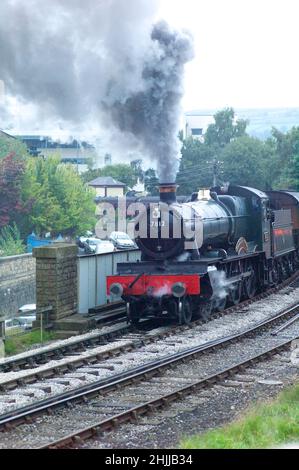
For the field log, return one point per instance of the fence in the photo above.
(18, 326)
(92, 273)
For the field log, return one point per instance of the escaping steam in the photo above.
(163, 290)
(99, 61)
(221, 285)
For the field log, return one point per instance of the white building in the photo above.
(196, 124)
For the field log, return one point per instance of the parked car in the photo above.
(122, 241)
(96, 245)
(22, 322)
(12, 327)
(26, 321)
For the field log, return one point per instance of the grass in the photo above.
(266, 425)
(19, 343)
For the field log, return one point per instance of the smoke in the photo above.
(152, 115)
(99, 61)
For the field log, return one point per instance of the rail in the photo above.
(131, 416)
(85, 392)
(94, 339)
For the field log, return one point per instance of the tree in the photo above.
(11, 171)
(289, 177)
(295, 172)
(121, 172)
(151, 182)
(287, 149)
(10, 145)
(196, 166)
(227, 154)
(136, 166)
(224, 130)
(247, 162)
(285, 143)
(60, 202)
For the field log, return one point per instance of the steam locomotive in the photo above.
(218, 247)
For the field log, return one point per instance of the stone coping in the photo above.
(5, 259)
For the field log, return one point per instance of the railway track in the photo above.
(93, 340)
(76, 439)
(64, 348)
(92, 350)
(104, 390)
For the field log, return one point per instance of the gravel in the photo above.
(232, 393)
(53, 427)
(234, 322)
(63, 342)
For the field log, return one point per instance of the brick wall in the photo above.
(17, 283)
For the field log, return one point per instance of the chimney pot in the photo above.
(168, 192)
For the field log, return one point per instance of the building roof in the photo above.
(5, 134)
(106, 181)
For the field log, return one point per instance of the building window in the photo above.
(196, 131)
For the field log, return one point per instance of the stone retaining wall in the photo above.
(17, 283)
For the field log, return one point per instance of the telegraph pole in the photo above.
(215, 171)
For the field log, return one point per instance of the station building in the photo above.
(107, 186)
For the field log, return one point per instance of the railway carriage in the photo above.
(209, 252)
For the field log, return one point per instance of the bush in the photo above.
(10, 241)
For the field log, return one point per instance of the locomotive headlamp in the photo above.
(178, 289)
(116, 289)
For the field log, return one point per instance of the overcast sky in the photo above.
(246, 52)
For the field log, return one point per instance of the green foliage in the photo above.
(224, 130)
(264, 426)
(286, 144)
(122, 172)
(10, 241)
(11, 171)
(289, 178)
(59, 201)
(200, 159)
(234, 157)
(247, 161)
(11, 145)
(287, 149)
(195, 166)
(151, 182)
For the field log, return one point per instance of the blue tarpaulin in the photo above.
(33, 241)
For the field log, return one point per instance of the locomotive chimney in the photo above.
(168, 192)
